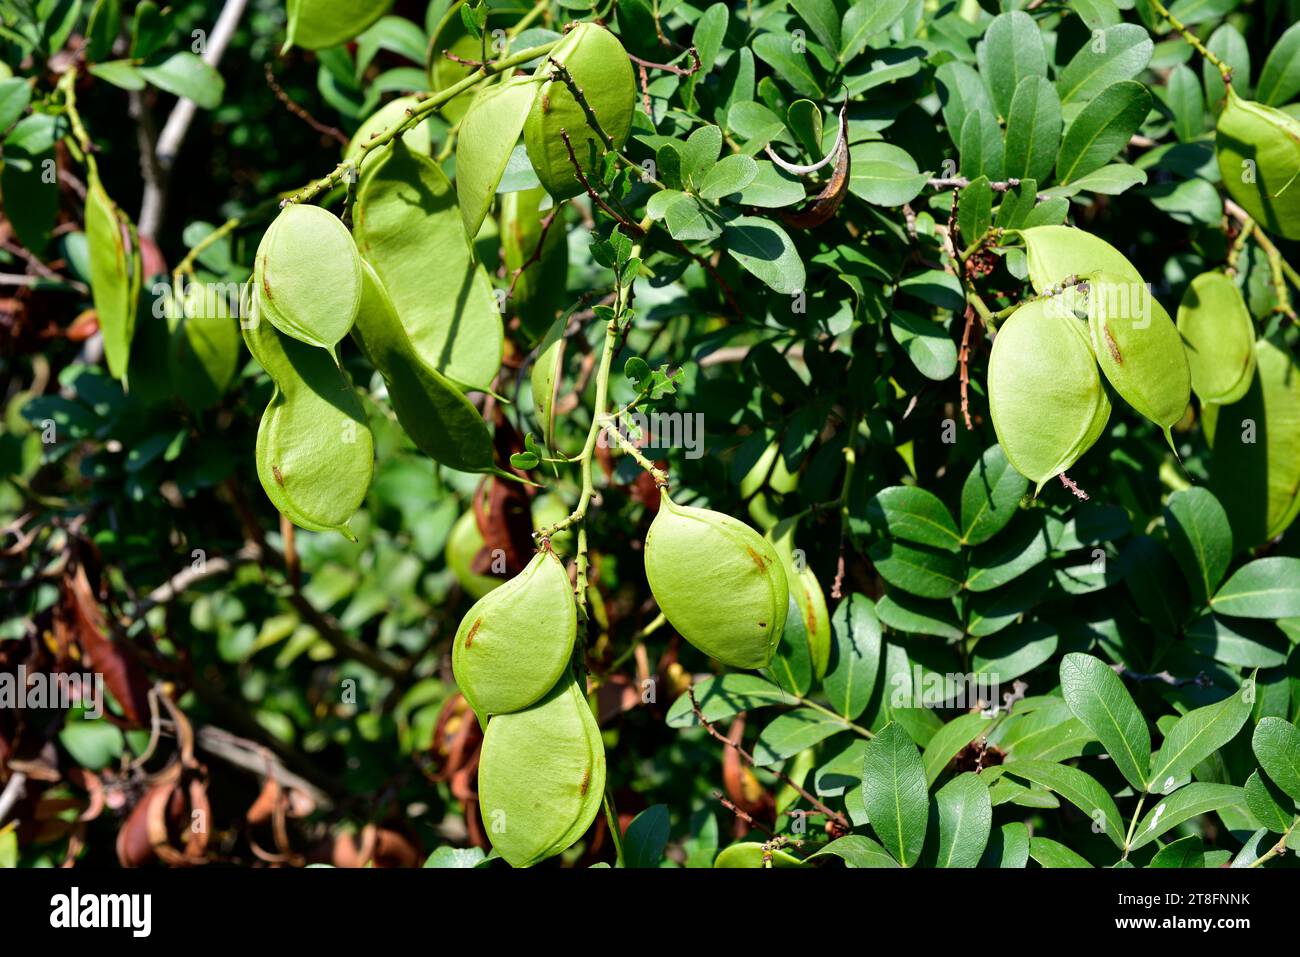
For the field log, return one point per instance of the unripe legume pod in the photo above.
(442, 423)
(114, 283)
(1219, 338)
(308, 275)
(408, 228)
(540, 290)
(600, 68)
(516, 641)
(488, 133)
(1045, 393)
(1259, 158)
(463, 543)
(541, 776)
(718, 582)
(204, 345)
(749, 854)
(1138, 348)
(545, 378)
(807, 593)
(315, 454)
(1055, 253)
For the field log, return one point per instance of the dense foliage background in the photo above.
(291, 691)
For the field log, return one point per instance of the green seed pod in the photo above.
(546, 374)
(318, 24)
(1219, 338)
(1055, 253)
(1045, 394)
(204, 345)
(315, 454)
(600, 68)
(512, 646)
(549, 510)
(806, 592)
(418, 139)
(718, 582)
(488, 134)
(1255, 468)
(114, 276)
(308, 276)
(749, 854)
(442, 423)
(540, 289)
(541, 776)
(1138, 348)
(408, 228)
(463, 543)
(1259, 158)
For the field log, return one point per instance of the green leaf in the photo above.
(1051, 853)
(731, 174)
(458, 857)
(1077, 787)
(857, 850)
(184, 74)
(489, 131)
(990, 497)
(150, 29)
(927, 344)
(949, 740)
(1277, 746)
(1185, 852)
(965, 815)
(1033, 130)
(1008, 847)
(1269, 804)
(1242, 642)
(1227, 43)
(688, 220)
(1110, 180)
(824, 19)
(975, 209)
(15, 94)
(1102, 129)
(914, 515)
(895, 793)
(863, 20)
(1015, 651)
(1185, 100)
(1011, 50)
(777, 51)
(1279, 81)
(121, 73)
(771, 188)
(646, 837)
(1120, 52)
(722, 696)
(1200, 538)
(1184, 804)
(855, 656)
(102, 29)
(982, 150)
(996, 563)
(764, 249)
(1197, 735)
(903, 612)
(962, 93)
(927, 572)
(1097, 14)
(790, 733)
(884, 175)
(1264, 588)
(1099, 699)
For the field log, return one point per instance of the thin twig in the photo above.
(1070, 484)
(536, 257)
(299, 111)
(964, 358)
(595, 197)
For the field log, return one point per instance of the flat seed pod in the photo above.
(1255, 468)
(718, 582)
(541, 776)
(205, 346)
(1219, 338)
(409, 229)
(317, 24)
(114, 285)
(442, 423)
(514, 643)
(806, 592)
(1138, 348)
(488, 134)
(308, 276)
(600, 68)
(546, 378)
(1259, 158)
(540, 289)
(418, 139)
(1056, 253)
(315, 454)
(463, 543)
(1045, 393)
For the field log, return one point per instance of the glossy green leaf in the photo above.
(1277, 746)
(1051, 853)
(1269, 804)
(965, 818)
(1119, 52)
(895, 793)
(1264, 588)
(1011, 50)
(723, 696)
(1184, 804)
(316, 24)
(1101, 129)
(857, 850)
(1279, 80)
(1200, 538)
(791, 733)
(185, 74)
(914, 515)
(765, 250)
(1077, 787)
(949, 740)
(646, 837)
(1033, 130)
(1197, 735)
(1099, 699)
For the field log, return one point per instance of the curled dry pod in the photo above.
(204, 345)
(1219, 338)
(1259, 157)
(540, 289)
(541, 775)
(545, 379)
(1255, 467)
(1055, 253)
(114, 275)
(408, 228)
(600, 68)
(418, 139)
(516, 641)
(463, 543)
(1138, 348)
(308, 276)
(317, 24)
(718, 582)
(1045, 394)
(442, 423)
(807, 593)
(315, 454)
